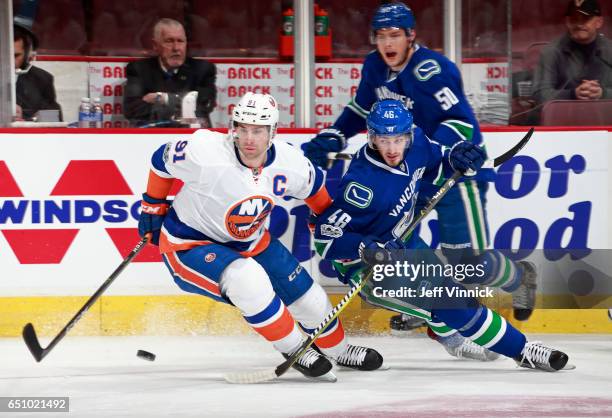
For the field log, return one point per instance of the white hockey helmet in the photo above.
(256, 109)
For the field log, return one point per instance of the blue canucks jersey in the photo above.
(431, 88)
(376, 200)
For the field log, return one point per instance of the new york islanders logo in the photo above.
(244, 218)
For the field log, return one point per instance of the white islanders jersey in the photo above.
(222, 200)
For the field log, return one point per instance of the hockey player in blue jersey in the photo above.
(431, 88)
(374, 204)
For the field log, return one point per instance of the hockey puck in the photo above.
(146, 355)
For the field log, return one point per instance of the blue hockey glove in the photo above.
(373, 252)
(466, 157)
(327, 140)
(152, 214)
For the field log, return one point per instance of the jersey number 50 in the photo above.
(446, 98)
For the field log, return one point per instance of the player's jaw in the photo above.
(393, 45)
(252, 142)
(392, 158)
(392, 154)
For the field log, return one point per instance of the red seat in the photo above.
(577, 113)
(125, 27)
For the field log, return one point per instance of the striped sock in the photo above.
(501, 272)
(440, 329)
(332, 340)
(276, 325)
(489, 329)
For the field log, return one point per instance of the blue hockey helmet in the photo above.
(389, 117)
(393, 15)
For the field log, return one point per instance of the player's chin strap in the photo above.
(270, 374)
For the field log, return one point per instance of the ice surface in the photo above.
(103, 377)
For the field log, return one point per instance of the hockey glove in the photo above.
(466, 157)
(152, 214)
(312, 223)
(372, 252)
(327, 140)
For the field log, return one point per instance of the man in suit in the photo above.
(34, 86)
(156, 86)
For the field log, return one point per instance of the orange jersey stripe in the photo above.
(260, 247)
(278, 329)
(195, 278)
(319, 201)
(165, 246)
(332, 339)
(158, 187)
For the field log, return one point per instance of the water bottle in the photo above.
(288, 19)
(321, 21)
(98, 113)
(84, 112)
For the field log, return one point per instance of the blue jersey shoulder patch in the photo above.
(358, 195)
(426, 69)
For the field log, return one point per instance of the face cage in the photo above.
(234, 136)
(372, 135)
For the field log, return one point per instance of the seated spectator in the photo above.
(579, 64)
(155, 86)
(34, 86)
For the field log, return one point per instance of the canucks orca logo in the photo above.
(244, 218)
(427, 69)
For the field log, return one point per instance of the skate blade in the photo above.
(328, 377)
(416, 332)
(569, 367)
(383, 367)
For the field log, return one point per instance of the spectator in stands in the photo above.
(34, 86)
(155, 86)
(579, 64)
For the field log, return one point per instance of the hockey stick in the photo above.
(331, 156)
(488, 164)
(29, 334)
(267, 375)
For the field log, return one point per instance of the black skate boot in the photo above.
(523, 298)
(535, 355)
(314, 365)
(360, 358)
(401, 323)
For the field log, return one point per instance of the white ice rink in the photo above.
(103, 377)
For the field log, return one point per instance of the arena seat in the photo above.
(60, 27)
(124, 27)
(577, 113)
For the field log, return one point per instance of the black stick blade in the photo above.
(31, 340)
(513, 151)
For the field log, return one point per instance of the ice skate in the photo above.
(361, 358)
(314, 365)
(402, 324)
(523, 298)
(535, 355)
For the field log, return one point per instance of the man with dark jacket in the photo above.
(156, 86)
(34, 86)
(579, 64)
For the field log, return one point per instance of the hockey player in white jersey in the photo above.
(214, 240)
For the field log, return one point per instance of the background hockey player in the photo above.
(431, 88)
(214, 240)
(375, 203)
